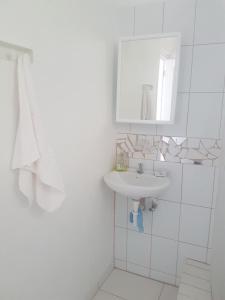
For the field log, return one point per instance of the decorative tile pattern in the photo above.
(170, 149)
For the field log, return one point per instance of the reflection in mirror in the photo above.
(147, 79)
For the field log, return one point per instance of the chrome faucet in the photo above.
(140, 169)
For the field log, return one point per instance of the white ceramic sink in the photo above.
(136, 186)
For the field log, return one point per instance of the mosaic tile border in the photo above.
(170, 149)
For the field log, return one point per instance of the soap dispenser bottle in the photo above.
(122, 162)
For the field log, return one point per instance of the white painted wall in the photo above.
(61, 255)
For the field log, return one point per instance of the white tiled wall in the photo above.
(178, 228)
(182, 225)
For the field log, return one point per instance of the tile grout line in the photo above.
(112, 294)
(163, 237)
(161, 292)
(180, 136)
(210, 218)
(179, 226)
(162, 29)
(183, 203)
(198, 277)
(163, 15)
(222, 111)
(150, 258)
(191, 73)
(153, 269)
(134, 20)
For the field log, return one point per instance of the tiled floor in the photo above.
(126, 286)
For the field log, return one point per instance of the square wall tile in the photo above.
(138, 248)
(169, 293)
(147, 219)
(179, 17)
(222, 129)
(162, 277)
(209, 256)
(204, 115)
(180, 124)
(132, 287)
(148, 18)
(121, 211)
(197, 188)
(184, 78)
(120, 243)
(194, 227)
(166, 219)
(213, 31)
(173, 193)
(120, 264)
(208, 68)
(136, 269)
(189, 251)
(164, 255)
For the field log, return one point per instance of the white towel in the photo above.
(39, 177)
(147, 112)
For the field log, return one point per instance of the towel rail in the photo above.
(18, 48)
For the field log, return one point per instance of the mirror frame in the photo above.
(175, 82)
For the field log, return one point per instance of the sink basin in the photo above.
(136, 186)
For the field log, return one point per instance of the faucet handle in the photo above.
(160, 173)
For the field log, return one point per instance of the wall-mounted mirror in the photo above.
(147, 79)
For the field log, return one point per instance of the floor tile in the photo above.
(131, 287)
(169, 293)
(101, 295)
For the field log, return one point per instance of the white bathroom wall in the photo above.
(65, 254)
(182, 225)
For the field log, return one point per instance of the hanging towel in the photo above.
(39, 177)
(147, 110)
